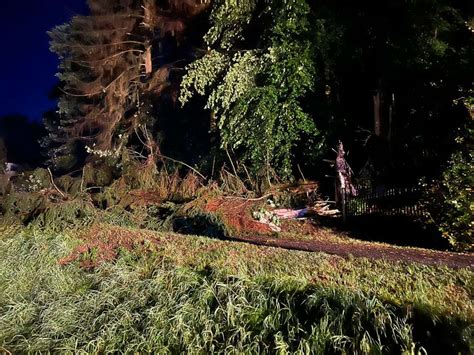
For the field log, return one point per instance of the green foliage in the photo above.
(450, 202)
(202, 73)
(142, 304)
(76, 213)
(39, 210)
(228, 20)
(97, 175)
(458, 181)
(69, 185)
(37, 180)
(256, 94)
(22, 205)
(283, 80)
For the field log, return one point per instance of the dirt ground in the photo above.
(366, 250)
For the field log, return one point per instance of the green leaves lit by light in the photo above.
(256, 94)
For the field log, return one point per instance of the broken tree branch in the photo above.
(54, 185)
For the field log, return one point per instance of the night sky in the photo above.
(27, 67)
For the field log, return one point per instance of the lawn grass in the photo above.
(175, 293)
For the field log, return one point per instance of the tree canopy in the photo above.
(276, 83)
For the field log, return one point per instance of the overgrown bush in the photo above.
(450, 202)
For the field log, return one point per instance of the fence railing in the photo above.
(384, 201)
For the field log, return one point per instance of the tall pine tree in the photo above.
(112, 72)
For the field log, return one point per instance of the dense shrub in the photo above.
(450, 202)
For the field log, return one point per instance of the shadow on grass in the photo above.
(396, 230)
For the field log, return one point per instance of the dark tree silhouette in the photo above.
(21, 138)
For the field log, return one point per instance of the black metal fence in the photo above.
(384, 201)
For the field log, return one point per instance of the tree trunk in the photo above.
(377, 115)
(390, 121)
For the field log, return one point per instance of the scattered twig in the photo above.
(54, 185)
(93, 187)
(82, 180)
(248, 175)
(103, 89)
(213, 165)
(299, 169)
(249, 199)
(231, 162)
(183, 163)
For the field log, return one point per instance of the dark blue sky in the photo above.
(27, 67)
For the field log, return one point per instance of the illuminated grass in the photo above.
(192, 294)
